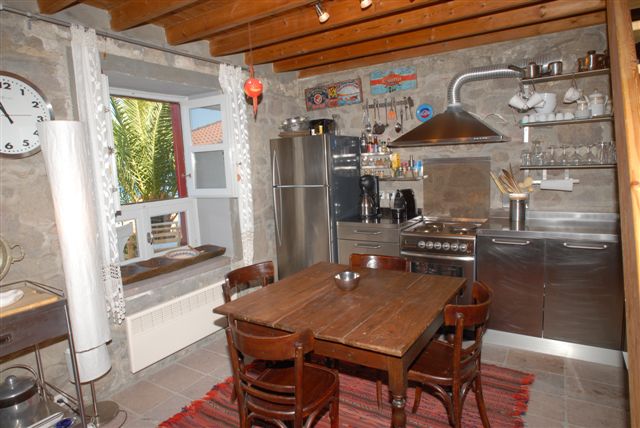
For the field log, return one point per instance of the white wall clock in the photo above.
(22, 106)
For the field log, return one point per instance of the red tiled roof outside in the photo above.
(208, 134)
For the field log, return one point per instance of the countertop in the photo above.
(385, 221)
(556, 225)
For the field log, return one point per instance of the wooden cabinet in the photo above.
(513, 268)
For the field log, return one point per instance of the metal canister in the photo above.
(555, 68)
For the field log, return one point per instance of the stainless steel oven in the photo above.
(443, 247)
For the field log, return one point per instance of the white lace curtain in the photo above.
(92, 93)
(232, 81)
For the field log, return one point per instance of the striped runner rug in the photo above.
(506, 393)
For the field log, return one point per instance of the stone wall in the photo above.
(597, 190)
(40, 52)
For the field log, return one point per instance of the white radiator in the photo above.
(161, 330)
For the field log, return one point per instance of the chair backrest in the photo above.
(473, 316)
(376, 261)
(261, 274)
(275, 401)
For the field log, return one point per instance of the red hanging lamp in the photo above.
(253, 89)
(252, 86)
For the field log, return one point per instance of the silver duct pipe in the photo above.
(475, 74)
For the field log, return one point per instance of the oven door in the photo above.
(436, 264)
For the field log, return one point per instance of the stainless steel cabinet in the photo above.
(584, 298)
(367, 239)
(513, 268)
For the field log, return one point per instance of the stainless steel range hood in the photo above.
(455, 125)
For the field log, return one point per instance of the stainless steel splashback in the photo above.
(457, 187)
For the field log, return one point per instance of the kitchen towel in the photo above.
(563, 185)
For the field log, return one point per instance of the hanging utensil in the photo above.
(378, 128)
(410, 101)
(386, 114)
(392, 111)
(367, 126)
(398, 126)
(406, 108)
(401, 119)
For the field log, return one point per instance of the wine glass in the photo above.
(564, 159)
(591, 157)
(575, 158)
(550, 158)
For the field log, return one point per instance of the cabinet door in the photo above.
(346, 247)
(514, 270)
(584, 300)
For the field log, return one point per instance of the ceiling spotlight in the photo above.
(365, 3)
(323, 15)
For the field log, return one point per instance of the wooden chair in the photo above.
(295, 393)
(261, 273)
(449, 369)
(375, 261)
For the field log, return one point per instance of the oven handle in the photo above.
(371, 246)
(499, 241)
(436, 256)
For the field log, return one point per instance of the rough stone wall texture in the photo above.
(41, 53)
(597, 190)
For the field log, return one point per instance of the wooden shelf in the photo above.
(566, 76)
(606, 118)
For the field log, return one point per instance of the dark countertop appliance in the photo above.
(369, 196)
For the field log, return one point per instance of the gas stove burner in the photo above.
(462, 229)
(432, 227)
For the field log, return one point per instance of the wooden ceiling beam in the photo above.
(303, 22)
(427, 16)
(221, 17)
(49, 7)
(131, 14)
(471, 27)
(532, 30)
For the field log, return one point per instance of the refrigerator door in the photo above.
(299, 161)
(302, 227)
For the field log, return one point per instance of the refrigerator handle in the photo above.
(276, 204)
(332, 238)
(275, 168)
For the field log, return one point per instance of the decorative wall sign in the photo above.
(334, 94)
(424, 112)
(383, 82)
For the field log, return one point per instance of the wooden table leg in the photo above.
(398, 389)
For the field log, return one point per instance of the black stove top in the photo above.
(431, 227)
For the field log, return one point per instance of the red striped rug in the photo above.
(506, 393)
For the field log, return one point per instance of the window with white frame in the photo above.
(169, 150)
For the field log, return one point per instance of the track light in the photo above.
(365, 3)
(323, 15)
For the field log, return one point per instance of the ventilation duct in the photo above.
(455, 125)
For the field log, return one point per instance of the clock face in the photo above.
(22, 106)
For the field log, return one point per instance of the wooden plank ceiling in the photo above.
(288, 34)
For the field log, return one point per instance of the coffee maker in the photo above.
(369, 196)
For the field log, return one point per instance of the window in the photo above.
(209, 159)
(157, 213)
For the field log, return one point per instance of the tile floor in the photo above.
(567, 393)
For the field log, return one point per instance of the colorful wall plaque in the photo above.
(383, 82)
(334, 94)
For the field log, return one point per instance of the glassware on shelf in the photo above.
(590, 158)
(564, 158)
(575, 159)
(525, 158)
(550, 156)
(536, 155)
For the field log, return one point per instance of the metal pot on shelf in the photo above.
(20, 403)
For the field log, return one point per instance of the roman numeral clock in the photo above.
(22, 106)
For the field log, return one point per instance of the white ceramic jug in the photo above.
(597, 102)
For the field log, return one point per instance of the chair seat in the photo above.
(434, 364)
(318, 383)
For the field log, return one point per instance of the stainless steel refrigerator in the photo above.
(315, 184)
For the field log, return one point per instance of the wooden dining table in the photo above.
(384, 323)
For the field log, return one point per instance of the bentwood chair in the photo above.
(294, 394)
(376, 261)
(260, 274)
(447, 368)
